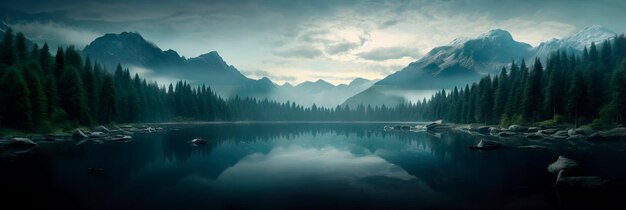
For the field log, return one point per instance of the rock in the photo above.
(102, 129)
(576, 137)
(563, 163)
(518, 128)
(79, 134)
(21, 142)
(581, 131)
(485, 144)
(531, 147)
(198, 141)
(507, 134)
(613, 134)
(580, 182)
(96, 134)
(118, 138)
(549, 131)
(438, 127)
(534, 136)
(494, 131)
(483, 129)
(533, 129)
(560, 135)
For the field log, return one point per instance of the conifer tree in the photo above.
(17, 107)
(7, 50)
(73, 99)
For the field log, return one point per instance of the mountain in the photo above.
(461, 62)
(132, 50)
(466, 60)
(320, 92)
(576, 42)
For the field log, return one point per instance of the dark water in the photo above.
(303, 166)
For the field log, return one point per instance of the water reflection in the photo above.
(290, 166)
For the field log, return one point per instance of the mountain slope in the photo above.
(461, 62)
(464, 61)
(131, 49)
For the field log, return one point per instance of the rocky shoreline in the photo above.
(545, 132)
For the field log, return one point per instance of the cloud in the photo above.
(299, 52)
(388, 53)
(388, 24)
(341, 48)
(261, 73)
(54, 32)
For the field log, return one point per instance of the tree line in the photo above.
(42, 92)
(578, 89)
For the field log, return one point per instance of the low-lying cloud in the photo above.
(299, 52)
(388, 53)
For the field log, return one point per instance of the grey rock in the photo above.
(580, 182)
(485, 144)
(535, 136)
(494, 131)
(531, 147)
(563, 163)
(613, 134)
(533, 129)
(581, 131)
(576, 137)
(518, 128)
(549, 131)
(21, 142)
(79, 134)
(507, 134)
(102, 129)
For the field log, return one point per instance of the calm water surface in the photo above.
(300, 166)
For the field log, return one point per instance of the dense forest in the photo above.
(589, 88)
(41, 92)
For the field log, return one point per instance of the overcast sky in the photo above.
(292, 41)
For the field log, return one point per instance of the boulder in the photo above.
(563, 163)
(560, 135)
(102, 129)
(613, 134)
(549, 131)
(97, 134)
(518, 128)
(485, 144)
(79, 134)
(483, 129)
(580, 182)
(533, 129)
(581, 131)
(507, 134)
(198, 141)
(21, 142)
(494, 131)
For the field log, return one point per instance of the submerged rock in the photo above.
(198, 141)
(533, 129)
(580, 182)
(21, 142)
(531, 147)
(581, 131)
(485, 144)
(563, 163)
(118, 138)
(494, 131)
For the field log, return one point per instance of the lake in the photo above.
(305, 166)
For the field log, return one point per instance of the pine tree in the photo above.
(17, 107)
(7, 51)
(108, 106)
(73, 96)
(59, 64)
(532, 92)
(37, 96)
(619, 92)
(45, 60)
(576, 104)
(501, 94)
(20, 47)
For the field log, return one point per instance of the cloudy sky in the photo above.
(297, 40)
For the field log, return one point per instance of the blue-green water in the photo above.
(299, 166)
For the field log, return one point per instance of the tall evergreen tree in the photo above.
(20, 46)
(7, 50)
(73, 96)
(37, 96)
(501, 94)
(532, 92)
(17, 107)
(108, 106)
(59, 64)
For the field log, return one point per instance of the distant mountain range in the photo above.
(461, 62)
(133, 51)
(464, 61)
